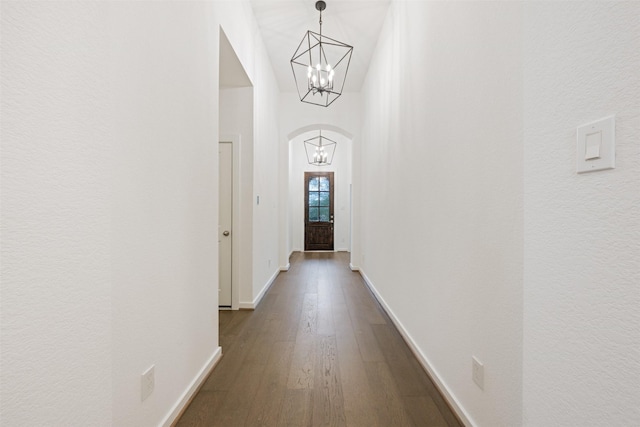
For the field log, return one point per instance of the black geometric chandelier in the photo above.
(320, 150)
(320, 66)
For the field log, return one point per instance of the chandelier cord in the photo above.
(320, 37)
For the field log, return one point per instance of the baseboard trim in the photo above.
(253, 304)
(424, 361)
(354, 268)
(286, 267)
(174, 415)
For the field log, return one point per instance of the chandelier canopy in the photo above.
(320, 66)
(320, 150)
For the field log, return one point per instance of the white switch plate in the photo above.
(477, 372)
(147, 382)
(596, 145)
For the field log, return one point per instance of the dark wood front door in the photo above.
(318, 211)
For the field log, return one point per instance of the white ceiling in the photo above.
(283, 24)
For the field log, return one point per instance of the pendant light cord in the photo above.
(320, 49)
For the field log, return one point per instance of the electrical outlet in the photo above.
(148, 382)
(477, 372)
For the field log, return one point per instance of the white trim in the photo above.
(253, 304)
(424, 361)
(354, 268)
(195, 385)
(286, 267)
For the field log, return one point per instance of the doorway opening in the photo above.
(235, 183)
(300, 204)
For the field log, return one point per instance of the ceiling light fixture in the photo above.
(320, 150)
(320, 66)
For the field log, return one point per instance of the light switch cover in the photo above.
(596, 145)
(593, 144)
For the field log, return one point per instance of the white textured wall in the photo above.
(470, 109)
(164, 214)
(341, 167)
(109, 202)
(582, 232)
(266, 173)
(441, 193)
(56, 268)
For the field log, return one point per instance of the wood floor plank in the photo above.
(288, 310)
(237, 401)
(202, 410)
(410, 380)
(235, 321)
(264, 342)
(367, 342)
(301, 374)
(269, 398)
(235, 357)
(318, 351)
(424, 412)
(296, 409)
(390, 409)
(303, 363)
(325, 324)
(372, 311)
(309, 316)
(359, 406)
(328, 403)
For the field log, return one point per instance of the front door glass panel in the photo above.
(319, 199)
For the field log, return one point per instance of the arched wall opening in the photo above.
(342, 168)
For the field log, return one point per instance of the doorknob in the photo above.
(225, 233)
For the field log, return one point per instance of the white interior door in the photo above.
(225, 235)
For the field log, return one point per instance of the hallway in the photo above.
(318, 350)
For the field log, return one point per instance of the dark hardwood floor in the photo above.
(318, 351)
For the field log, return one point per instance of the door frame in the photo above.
(236, 233)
